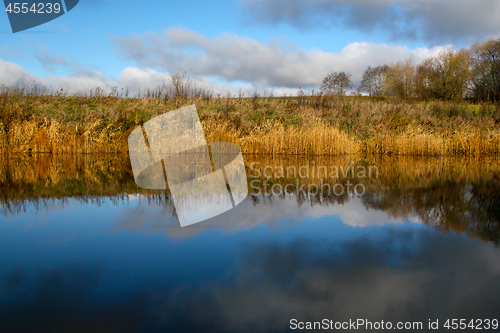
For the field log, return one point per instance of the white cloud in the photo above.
(276, 213)
(83, 81)
(133, 78)
(280, 65)
(13, 74)
(228, 63)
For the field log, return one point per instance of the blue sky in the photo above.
(228, 45)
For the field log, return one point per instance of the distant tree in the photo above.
(400, 79)
(445, 76)
(485, 58)
(367, 84)
(374, 80)
(336, 83)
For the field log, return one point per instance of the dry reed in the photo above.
(308, 125)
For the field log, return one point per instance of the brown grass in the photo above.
(50, 136)
(307, 125)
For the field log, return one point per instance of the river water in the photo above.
(83, 248)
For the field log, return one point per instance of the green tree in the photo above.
(445, 76)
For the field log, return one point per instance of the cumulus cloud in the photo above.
(132, 78)
(225, 64)
(13, 74)
(429, 20)
(280, 65)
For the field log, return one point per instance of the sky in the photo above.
(233, 45)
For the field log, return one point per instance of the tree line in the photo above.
(472, 73)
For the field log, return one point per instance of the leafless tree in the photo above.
(486, 70)
(336, 83)
(374, 79)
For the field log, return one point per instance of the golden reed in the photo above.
(37, 122)
(270, 137)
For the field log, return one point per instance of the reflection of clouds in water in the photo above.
(355, 214)
(271, 211)
(312, 280)
(403, 275)
(133, 197)
(64, 299)
(145, 216)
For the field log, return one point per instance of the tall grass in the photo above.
(272, 137)
(40, 120)
(50, 136)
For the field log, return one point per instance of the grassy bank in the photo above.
(310, 125)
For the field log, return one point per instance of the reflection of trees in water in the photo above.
(313, 200)
(17, 206)
(451, 193)
(464, 208)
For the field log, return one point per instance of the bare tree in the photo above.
(336, 83)
(486, 70)
(374, 79)
(401, 79)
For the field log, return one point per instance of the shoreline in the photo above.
(306, 125)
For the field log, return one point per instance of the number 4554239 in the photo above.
(477, 324)
(36, 8)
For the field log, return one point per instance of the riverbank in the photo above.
(304, 125)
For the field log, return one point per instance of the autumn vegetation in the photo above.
(446, 105)
(471, 74)
(439, 191)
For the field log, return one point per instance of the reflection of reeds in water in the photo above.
(386, 172)
(461, 194)
(46, 175)
(44, 178)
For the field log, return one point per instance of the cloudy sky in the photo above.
(240, 44)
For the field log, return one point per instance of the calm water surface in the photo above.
(83, 249)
